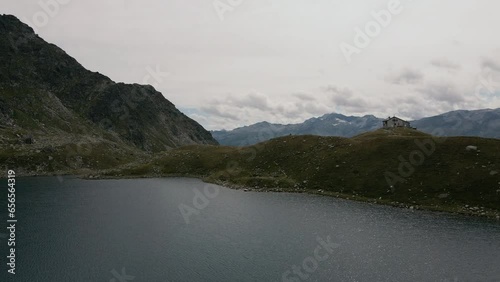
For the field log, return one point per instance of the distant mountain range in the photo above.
(481, 123)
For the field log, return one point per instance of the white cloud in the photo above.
(268, 59)
(491, 64)
(406, 76)
(445, 64)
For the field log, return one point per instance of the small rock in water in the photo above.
(493, 172)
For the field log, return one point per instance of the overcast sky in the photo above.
(236, 62)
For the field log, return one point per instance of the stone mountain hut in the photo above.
(395, 122)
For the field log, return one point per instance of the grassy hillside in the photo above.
(62, 154)
(444, 176)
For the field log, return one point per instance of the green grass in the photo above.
(447, 179)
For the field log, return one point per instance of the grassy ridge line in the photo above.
(451, 178)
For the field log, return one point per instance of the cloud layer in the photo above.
(280, 61)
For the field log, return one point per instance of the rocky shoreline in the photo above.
(466, 210)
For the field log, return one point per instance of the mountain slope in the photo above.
(44, 91)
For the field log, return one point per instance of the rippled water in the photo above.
(133, 230)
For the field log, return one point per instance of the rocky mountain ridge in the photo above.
(44, 91)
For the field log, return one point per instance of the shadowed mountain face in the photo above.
(481, 123)
(44, 91)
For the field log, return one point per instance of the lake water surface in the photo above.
(133, 230)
